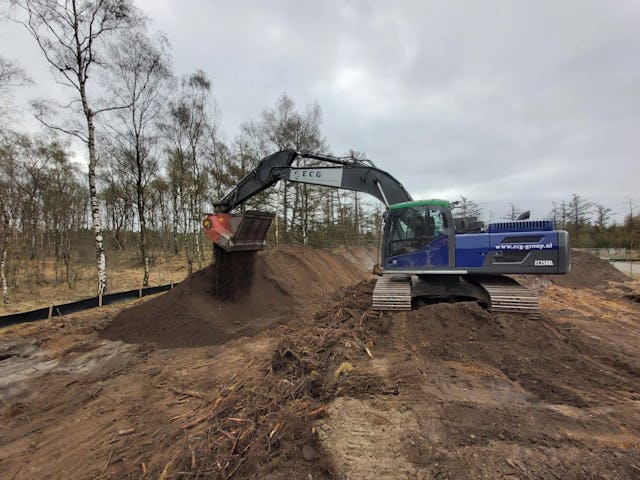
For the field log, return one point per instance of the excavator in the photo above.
(425, 253)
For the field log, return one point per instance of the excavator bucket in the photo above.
(238, 231)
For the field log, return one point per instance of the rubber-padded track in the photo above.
(507, 295)
(392, 293)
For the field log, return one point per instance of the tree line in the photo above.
(589, 223)
(156, 158)
(156, 161)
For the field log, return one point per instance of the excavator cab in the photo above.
(418, 235)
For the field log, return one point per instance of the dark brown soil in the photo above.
(269, 288)
(588, 271)
(310, 383)
(190, 315)
(232, 274)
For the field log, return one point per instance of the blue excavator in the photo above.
(426, 252)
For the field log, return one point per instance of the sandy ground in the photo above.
(125, 273)
(300, 379)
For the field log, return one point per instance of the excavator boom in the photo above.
(247, 231)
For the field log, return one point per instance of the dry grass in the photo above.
(124, 273)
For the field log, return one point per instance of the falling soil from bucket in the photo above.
(232, 273)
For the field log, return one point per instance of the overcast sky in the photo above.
(500, 101)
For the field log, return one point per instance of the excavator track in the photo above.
(499, 294)
(392, 293)
(507, 295)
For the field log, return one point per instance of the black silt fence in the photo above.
(80, 305)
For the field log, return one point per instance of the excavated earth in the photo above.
(300, 379)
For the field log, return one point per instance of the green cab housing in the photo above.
(420, 203)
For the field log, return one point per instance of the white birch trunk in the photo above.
(96, 221)
(3, 276)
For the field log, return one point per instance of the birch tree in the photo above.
(11, 76)
(71, 35)
(9, 171)
(188, 128)
(139, 79)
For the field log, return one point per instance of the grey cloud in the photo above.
(503, 101)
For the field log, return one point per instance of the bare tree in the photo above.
(188, 130)
(579, 213)
(9, 171)
(41, 205)
(118, 195)
(632, 222)
(603, 215)
(139, 79)
(279, 128)
(11, 76)
(220, 164)
(514, 212)
(466, 208)
(70, 35)
(560, 214)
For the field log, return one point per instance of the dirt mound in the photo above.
(480, 395)
(189, 315)
(336, 391)
(587, 271)
(443, 391)
(311, 275)
(285, 279)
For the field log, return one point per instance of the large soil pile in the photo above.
(443, 391)
(481, 395)
(589, 271)
(335, 390)
(284, 280)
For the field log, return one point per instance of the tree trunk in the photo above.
(357, 216)
(164, 220)
(175, 224)
(294, 210)
(66, 258)
(187, 239)
(277, 217)
(101, 257)
(342, 219)
(196, 240)
(141, 216)
(305, 215)
(3, 275)
(285, 200)
(143, 242)
(195, 228)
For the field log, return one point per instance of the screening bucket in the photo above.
(237, 231)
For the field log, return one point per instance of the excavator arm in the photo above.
(246, 231)
(350, 174)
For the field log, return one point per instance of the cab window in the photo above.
(412, 228)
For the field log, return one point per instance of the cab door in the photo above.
(440, 247)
